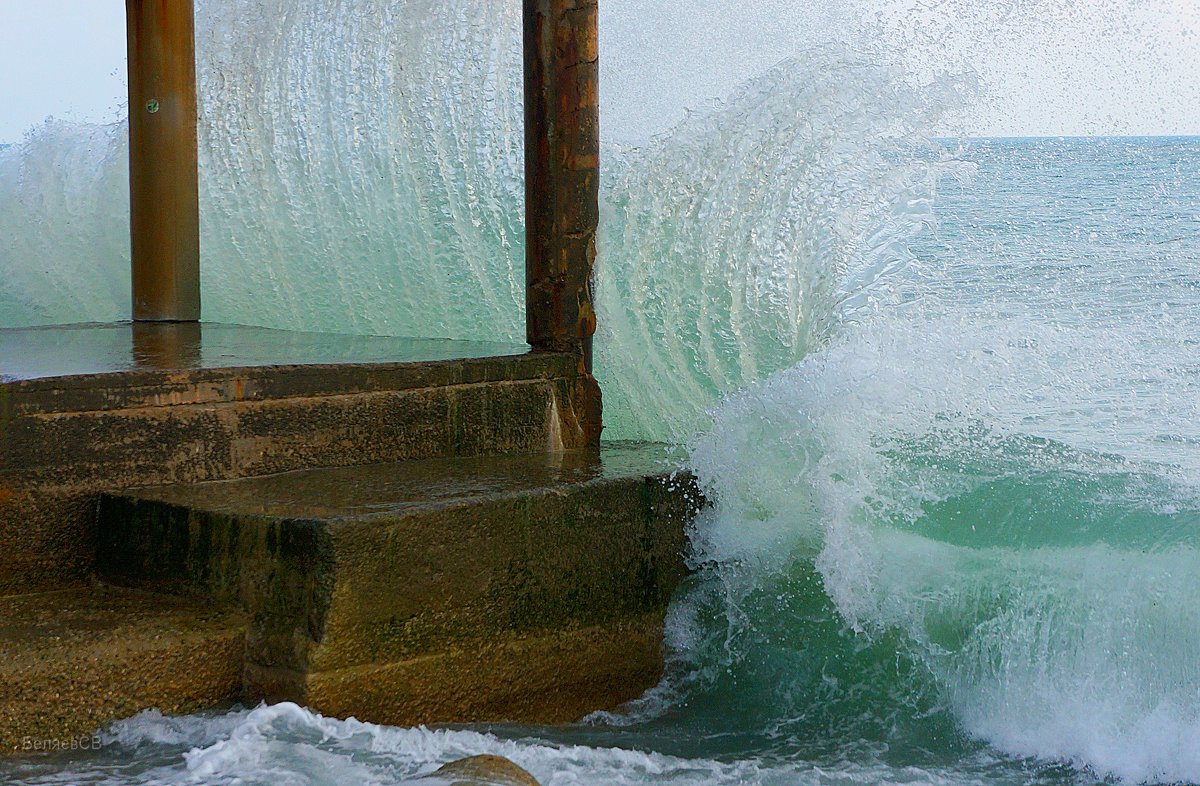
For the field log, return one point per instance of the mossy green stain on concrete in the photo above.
(6, 416)
(278, 570)
(5, 405)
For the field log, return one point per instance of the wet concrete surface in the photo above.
(387, 489)
(63, 440)
(71, 350)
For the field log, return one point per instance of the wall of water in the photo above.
(361, 172)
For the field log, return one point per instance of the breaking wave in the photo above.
(950, 439)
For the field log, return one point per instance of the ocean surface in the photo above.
(944, 392)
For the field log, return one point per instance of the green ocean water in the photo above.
(942, 392)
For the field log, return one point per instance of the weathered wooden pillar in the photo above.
(562, 151)
(163, 183)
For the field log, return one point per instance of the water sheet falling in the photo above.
(361, 172)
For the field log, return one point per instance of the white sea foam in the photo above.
(286, 745)
(1073, 637)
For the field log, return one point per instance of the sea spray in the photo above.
(732, 246)
(64, 215)
(361, 172)
(955, 512)
(363, 166)
(1043, 594)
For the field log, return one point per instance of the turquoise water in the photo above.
(943, 392)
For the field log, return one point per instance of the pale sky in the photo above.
(1047, 66)
(60, 57)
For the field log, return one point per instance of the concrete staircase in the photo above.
(415, 542)
(64, 440)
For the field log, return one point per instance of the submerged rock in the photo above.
(484, 771)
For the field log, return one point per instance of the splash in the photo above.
(286, 745)
(361, 169)
(732, 247)
(979, 510)
(362, 172)
(952, 432)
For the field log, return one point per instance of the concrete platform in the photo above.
(202, 406)
(390, 529)
(71, 661)
(84, 350)
(516, 588)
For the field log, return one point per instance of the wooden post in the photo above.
(163, 182)
(562, 151)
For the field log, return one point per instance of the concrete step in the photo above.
(515, 588)
(74, 660)
(92, 408)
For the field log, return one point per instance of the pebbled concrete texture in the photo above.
(556, 677)
(63, 440)
(527, 588)
(73, 660)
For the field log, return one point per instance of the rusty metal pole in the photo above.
(167, 345)
(163, 181)
(562, 151)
